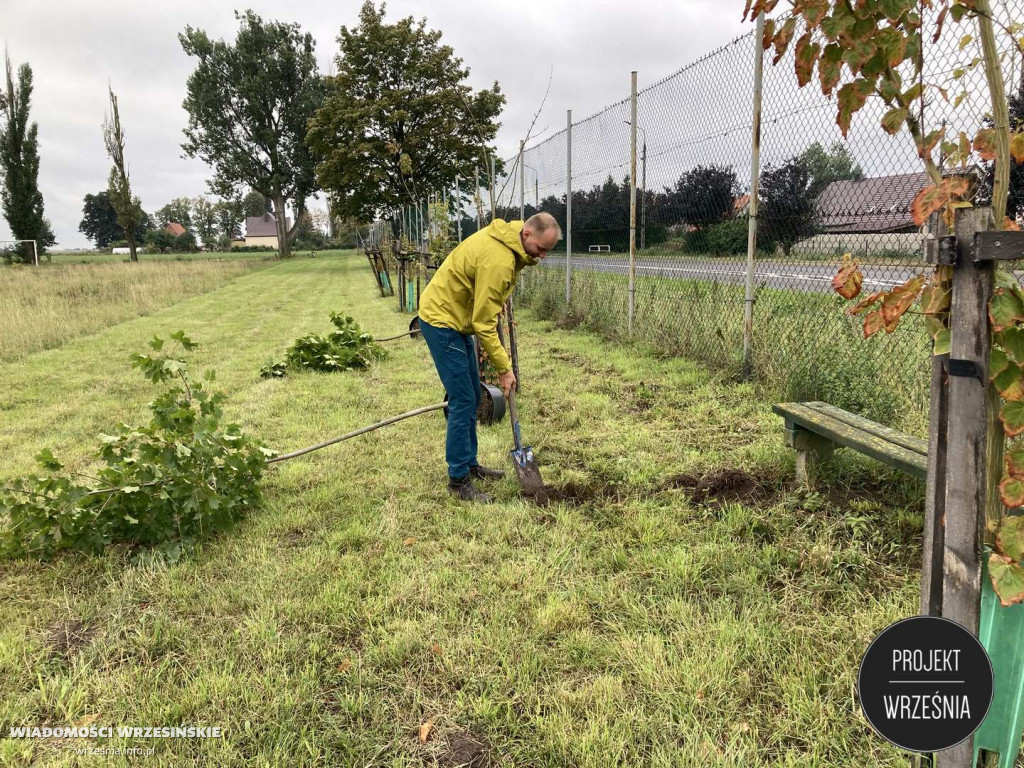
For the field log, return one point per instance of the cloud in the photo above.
(589, 46)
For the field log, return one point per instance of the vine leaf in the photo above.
(1017, 147)
(1012, 416)
(936, 196)
(943, 344)
(1007, 579)
(998, 361)
(1014, 461)
(1011, 537)
(985, 144)
(892, 121)
(1005, 309)
(900, 299)
(873, 323)
(864, 303)
(849, 280)
(1012, 341)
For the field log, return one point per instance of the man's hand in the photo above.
(507, 381)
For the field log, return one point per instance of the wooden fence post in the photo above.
(973, 450)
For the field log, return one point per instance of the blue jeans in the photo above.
(455, 358)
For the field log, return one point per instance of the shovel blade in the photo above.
(527, 471)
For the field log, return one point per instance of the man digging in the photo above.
(465, 297)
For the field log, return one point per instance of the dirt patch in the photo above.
(296, 537)
(463, 750)
(722, 486)
(67, 638)
(576, 494)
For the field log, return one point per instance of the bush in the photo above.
(163, 485)
(345, 348)
(254, 249)
(160, 241)
(725, 238)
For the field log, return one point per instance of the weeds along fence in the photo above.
(819, 196)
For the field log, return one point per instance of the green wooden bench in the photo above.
(815, 429)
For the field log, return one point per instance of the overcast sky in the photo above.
(76, 46)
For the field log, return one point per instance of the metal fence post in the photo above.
(632, 201)
(476, 195)
(755, 176)
(522, 185)
(458, 209)
(568, 207)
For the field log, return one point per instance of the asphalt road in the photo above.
(809, 277)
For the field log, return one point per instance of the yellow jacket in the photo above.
(470, 288)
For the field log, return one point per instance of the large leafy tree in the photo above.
(787, 206)
(20, 198)
(703, 195)
(399, 121)
(178, 210)
(229, 219)
(248, 104)
(99, 221)
(128, 207)
(255, 204)
(205, 221)
(825, 165)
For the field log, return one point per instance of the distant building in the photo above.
(174, 229)
(261, 230)
(880, 204)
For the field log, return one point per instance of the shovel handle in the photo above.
(515, 420)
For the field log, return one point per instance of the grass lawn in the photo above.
(681, 606)
(97, 257)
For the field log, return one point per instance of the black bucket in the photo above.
(492, 405)
(414, 325)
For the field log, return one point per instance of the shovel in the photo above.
(527, 470)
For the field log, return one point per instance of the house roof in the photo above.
(174, 228)
(263, 226)
(879, 204)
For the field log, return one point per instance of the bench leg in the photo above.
(811, 452)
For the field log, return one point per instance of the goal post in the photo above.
(6, 245)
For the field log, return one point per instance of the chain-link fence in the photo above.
(820, 196)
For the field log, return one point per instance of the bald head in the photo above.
(539, 235)
(542, 222)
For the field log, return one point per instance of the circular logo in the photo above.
(925, 683)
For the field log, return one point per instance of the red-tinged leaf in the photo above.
(1010, 225)
(985, 144)
(852, 97)
(891, 324)
(929, 200)
(893, 120)
(830, 68)
(939, 22)
(783, 38)
(900, 299)
(866, 302)
(859, 52)
(746, 10)
(345, 665)
(1012, 416)
(849, 280)
(768, 34)
(1004, 309)
(1017, 147)
(998, 361)
(806, 54)
(1010, 538)
(814, 11)
(1007, 579)
(1015, 391)
(424, 732)
(872, 323)
(1014, 460)
(935, 299)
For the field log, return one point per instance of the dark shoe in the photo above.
(483, 473)
(464, 489)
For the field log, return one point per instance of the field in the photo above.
(681, 605)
